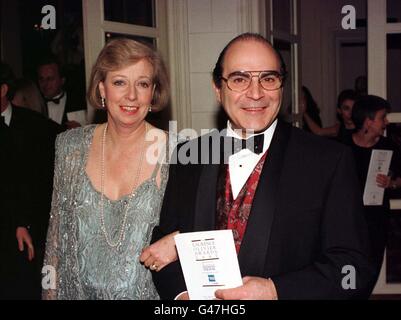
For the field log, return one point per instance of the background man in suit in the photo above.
(52, 82)
(292, 202)
(26, 162)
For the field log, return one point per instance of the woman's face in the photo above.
(345, 110)
(377, 126)
(128, 93)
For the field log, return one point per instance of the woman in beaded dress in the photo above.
(108, 186)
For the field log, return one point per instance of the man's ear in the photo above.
(62, 81)
(217, 92)
(367, 123)
(4, 90)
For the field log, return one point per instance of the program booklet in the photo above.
(209, 262)
(379, 163)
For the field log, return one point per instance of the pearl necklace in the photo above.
(121, 233)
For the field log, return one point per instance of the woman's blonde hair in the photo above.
(120, 53)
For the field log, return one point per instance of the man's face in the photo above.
(255, 108)
(50, 81)
(378, 125)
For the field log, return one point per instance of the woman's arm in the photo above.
(327, 132)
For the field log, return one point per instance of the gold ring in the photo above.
(153, 267)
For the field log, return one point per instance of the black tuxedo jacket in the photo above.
(72, 104)
(34, 138)
(305, 226)
(26, 162)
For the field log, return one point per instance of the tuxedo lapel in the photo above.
(206, 198)
(67, 108)
(255, 243)
(205, 207)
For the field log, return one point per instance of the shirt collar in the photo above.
(7, 114)
(59, 95)
(268, 134)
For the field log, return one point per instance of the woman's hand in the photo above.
(383, 181)
(161, 253)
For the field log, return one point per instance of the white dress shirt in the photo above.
(56, 111)
(241, 164)
(7, 113)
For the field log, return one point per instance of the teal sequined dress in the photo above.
(86, 267)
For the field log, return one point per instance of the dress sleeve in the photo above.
(51, 268)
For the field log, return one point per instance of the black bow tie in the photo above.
(254, 144)
(55, 100)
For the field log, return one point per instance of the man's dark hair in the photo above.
(51, 59)
(367, 107)
(218, 69)
(347, 94)
(7, 77)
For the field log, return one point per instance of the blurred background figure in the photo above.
(310, 108)
(369, 116)
(361, 86)
(27, 95)
(344, 127)
(60, 102)
(27, 160)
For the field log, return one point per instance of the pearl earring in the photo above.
(150, 109)
(103, 103)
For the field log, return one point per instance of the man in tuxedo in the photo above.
(291, 199)
(59, 102)
(26, 158)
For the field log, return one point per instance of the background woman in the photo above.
(369, 116)
(341, 129)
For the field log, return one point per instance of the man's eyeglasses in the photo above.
(240, 81)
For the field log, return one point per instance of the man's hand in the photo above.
(23, 236)
(383, 181)
(254, 288)
(161, 253)
(182, 296)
